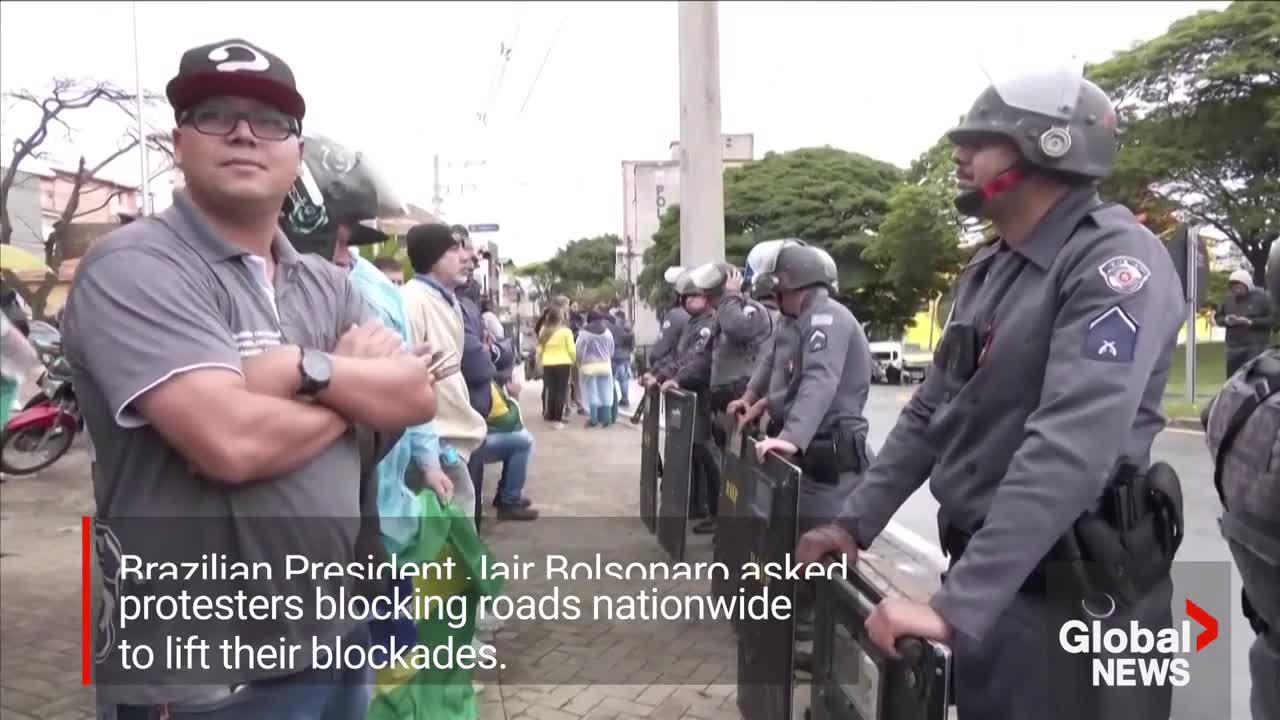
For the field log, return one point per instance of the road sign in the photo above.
(483, 228)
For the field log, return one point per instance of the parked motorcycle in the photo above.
(42, 432)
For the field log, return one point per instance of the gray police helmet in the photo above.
(1058, 120)
(672, 274)
(802, 266)
(1273, 275)
(762, 261)
(709, 278)
(684, 284)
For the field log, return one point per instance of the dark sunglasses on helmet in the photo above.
(221, 120)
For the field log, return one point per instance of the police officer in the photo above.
(743, 326)
(1052, 368)
(690, 370)
(819, 375)
(1241, 427)
(673, 325)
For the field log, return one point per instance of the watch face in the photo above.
(317, 366)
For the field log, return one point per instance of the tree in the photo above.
(584, 264)
(66, 96)
(1199, 110)
(545, 282)
(825, 196)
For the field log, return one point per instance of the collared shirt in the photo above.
(445, 292)
(398, 507)
(167, 295)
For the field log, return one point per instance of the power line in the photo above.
(533, 86)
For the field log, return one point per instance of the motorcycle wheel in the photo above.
(61, 444)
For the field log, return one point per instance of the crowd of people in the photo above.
(585, 361)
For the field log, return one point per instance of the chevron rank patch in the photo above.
(1111, 337)
(817, 341)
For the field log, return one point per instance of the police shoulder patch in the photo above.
(1124, 274)
(821, 320)
(704, 332)
(666, 324)
(1111, 336)
(817, 341)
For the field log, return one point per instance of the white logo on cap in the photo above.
(222, 56)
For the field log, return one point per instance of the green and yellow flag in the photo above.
(439, 693)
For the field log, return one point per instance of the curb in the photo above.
(1186, 423)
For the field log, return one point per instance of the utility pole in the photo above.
(701, 145)
(144, 182)
(435, 186)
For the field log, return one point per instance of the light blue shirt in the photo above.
(397, 507)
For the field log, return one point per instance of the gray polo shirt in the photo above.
(163, 296)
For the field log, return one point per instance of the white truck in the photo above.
(892, 364)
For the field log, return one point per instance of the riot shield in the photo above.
(677, 467)
(768, 522)
(649, 460)
(729, 543)
(853, 680)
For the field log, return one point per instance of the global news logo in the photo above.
(1164, 651)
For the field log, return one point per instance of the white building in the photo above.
(649, 187)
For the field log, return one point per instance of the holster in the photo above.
(1120, 549)
(1126, 545)
(830, 455)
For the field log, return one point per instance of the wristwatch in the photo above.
(316, 369)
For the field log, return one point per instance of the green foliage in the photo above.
(1200, 117)
(584, 263)
(583, 270)
(825, 196)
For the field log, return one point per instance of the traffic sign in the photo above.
(483, 228)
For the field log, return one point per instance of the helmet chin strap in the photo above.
(970, 202)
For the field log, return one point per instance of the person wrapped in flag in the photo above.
(337, 193)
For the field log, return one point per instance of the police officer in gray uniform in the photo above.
(743, 327)
(819, 375)
(1052, 368)
(690, 370)
(673, 325)
(1242, 427)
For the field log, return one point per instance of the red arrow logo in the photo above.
(1207, 621)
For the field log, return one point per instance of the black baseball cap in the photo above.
(236, 68)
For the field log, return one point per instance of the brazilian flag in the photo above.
(438, 693)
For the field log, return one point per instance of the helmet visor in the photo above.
(1052, 92)
(353, 189)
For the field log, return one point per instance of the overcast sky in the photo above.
(405, 81)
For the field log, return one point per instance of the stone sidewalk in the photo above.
(585, 483)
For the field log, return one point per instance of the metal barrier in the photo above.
(650, 461)
(768, 525)
(677, 466)
(853, 680)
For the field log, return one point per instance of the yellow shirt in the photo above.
(559, 349)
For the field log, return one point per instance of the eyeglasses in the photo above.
(218, 121)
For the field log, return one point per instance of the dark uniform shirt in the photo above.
(744, 326)
(1077, 327)
(673, 325)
